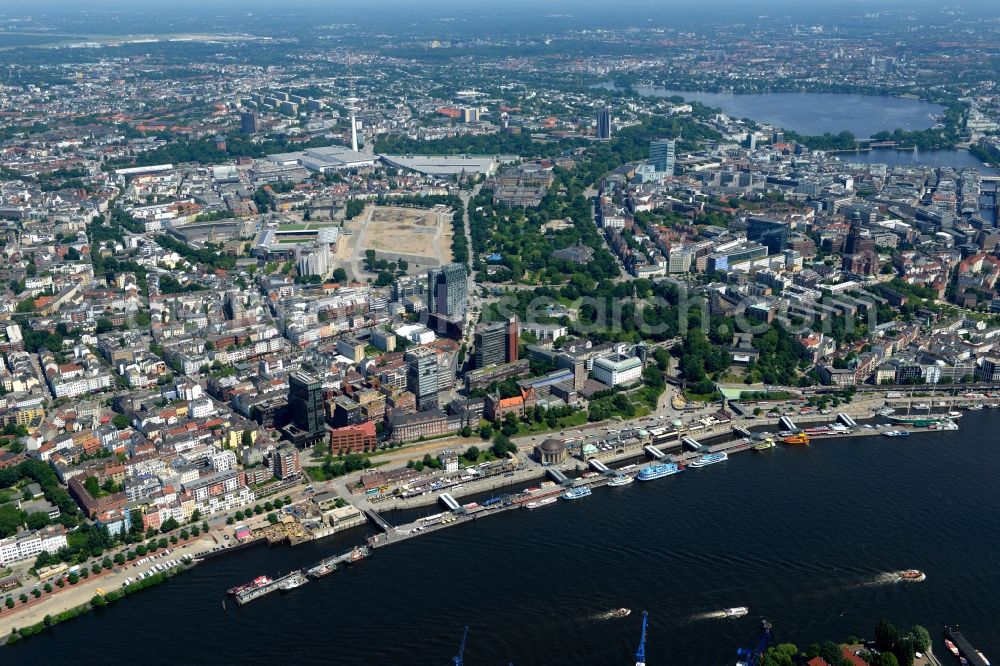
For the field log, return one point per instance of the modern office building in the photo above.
(604, 123)
(721, 261)
(305, 406)
(422, 376)
(618, 370)
(663, 156)
(773, 234)
(248, 122)
(496, 343)
(447, 290)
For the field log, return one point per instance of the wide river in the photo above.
(817, 113)
(802, 536)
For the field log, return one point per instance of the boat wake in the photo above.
(714, 615)
(615, 614)
(891, 578)
(738, 611)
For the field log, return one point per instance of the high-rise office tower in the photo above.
(248, 122)
(305, 406)
(422, 376)
(496, 343)
(662, 153)
(771, 233)
(604, 123)
(447, 290)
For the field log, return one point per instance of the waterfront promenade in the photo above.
(531, 471)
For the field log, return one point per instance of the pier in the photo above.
(353, 555)
(376, 518)
(692, 443)
(846, 420)
(654, 452)
(449, 501)
(965, 648)
(557, 476)
(295, 577)
(723, 437)
(599, 466)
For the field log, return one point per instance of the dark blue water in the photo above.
(958, 159)
(801, 536)
(816, 113)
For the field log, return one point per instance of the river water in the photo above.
(802, 536)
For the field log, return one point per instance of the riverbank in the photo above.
(728, 437)
(74, 596)
(802, 536)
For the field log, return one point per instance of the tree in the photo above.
(37, 520)
(272, 518)
(106, 563)
(886, 636)
(169, 525)
(884, 659)
(921, 638)
(471, 454)
(11, 519)
(486, 431)
(47, 588)
(119, 559)
(184, 534)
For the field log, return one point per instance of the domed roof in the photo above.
(552, 445)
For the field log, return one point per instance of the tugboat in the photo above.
(358, 553)
(912, 576)
(321, 571)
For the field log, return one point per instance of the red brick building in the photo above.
(352, 438)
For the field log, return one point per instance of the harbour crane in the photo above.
(752, 656)
(640, 654)
(460, 659)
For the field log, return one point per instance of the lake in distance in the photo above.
(817, 113)
(802, 536)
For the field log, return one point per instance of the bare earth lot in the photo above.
(422, 237)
